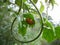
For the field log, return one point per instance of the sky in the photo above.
(55, 13)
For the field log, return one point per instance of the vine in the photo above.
(41, 25)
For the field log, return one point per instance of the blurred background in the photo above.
(51, 18)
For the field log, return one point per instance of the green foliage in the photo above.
(26, 7)
(48, 34)
(48, 31)
(24, 0)
(28, 15)
(35, 1)
(46, 1)
(42, 7)
(22, 26)
(5, 23)
(57, 29)
(18, 2)
(52, 2)
(1, 3)
(6, 18)
(48, 24)
(21, 29)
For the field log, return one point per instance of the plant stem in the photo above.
(37, 11)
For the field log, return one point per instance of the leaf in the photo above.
(24, 0)
(41, 8)
(25, 23)
(49, 24)
(48, 34)
(52, 37)
(5, 1)
(1, 3)
(4, 11)
(52, 2)
(57, 29)
(21, 29)
(25, 7)
(35, 1)
(1, 16)
(28, 15)
(18, 2)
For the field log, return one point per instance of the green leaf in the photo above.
(24, 0)
(57, 29)
(28, 15)
(41, 8)
(5, 1)
(52, 2)
(21, 29)
(24, 23)
(4, 11)
(25, 7)
(1, 3)
(50, 25)
(18, 2)
(1, 16)
(35, 1)
(48, 34)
